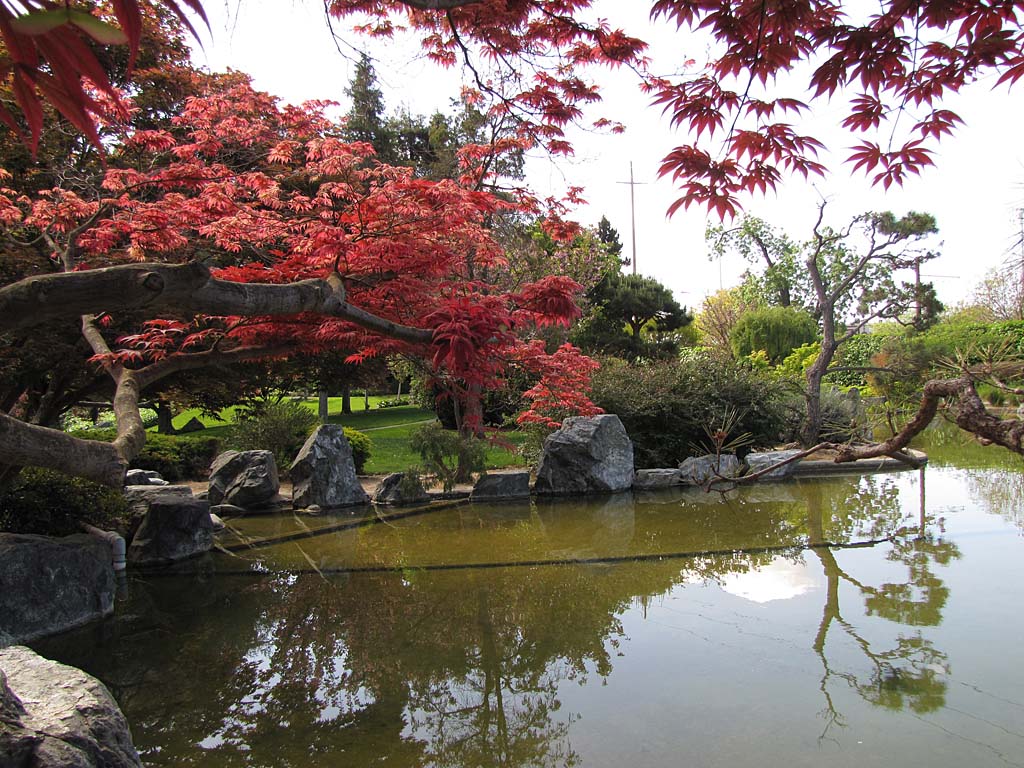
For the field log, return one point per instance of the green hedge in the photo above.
(361, 448)
(775, 330)
(174, 457)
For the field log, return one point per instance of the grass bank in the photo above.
(389, 428)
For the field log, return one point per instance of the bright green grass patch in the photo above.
(333, 409)
(388, 428)
(391, 451)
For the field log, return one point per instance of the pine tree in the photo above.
(365, 119)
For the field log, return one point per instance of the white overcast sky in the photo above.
(974, 191)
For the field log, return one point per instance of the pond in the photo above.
(855, 621)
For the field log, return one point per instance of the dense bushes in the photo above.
(46, 502)
(668, 407)
(448, 456)
(175, 458)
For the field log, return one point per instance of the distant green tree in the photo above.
(365, 120)
(926, 308)
(608, 235)
(781, 283)
(775, 330)
(846, 278)
(633, 317)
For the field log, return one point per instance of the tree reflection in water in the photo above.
(464, 667)
(912, 673)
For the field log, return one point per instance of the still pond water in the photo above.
(859, 621)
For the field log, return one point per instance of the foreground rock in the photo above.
(139, 498)
(396, 490)
(699, 470)
(246, 479)
(589, 454)
(651, 479)
(495, 486)
(174, 528)
(760, 461)
(55, 716)
(143, 477)
(323, 473)
(52, 585)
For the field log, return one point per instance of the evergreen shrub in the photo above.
(49, 503)
(776, 330)
(174, 457)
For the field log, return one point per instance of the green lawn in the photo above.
(388, 428)
(333, 409)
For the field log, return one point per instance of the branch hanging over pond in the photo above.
(965, 409)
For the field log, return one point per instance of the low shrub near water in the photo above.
(668, 407)
(50, 503)
(448, 456)
(282, 428)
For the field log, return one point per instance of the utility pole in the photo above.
(632, 207)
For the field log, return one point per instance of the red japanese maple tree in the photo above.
(312, 244)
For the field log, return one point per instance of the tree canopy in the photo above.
(243, 229)
(894, 65)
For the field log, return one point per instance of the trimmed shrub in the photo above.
(776, 330)
(53, 504)
(175, 458)
(669, 407)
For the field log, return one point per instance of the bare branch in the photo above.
(187, 288)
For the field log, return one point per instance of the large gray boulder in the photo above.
(589, 454)
(55, 716)
(174, 528)
(323, 473)
(501, 485)
(139, 498)
(52, 585)
(395, 490)
(699, 470)
(246, 479)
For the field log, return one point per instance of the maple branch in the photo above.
(211, 357)
(131, 432)
(183, 287)
(438, 5)
(27, 444)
